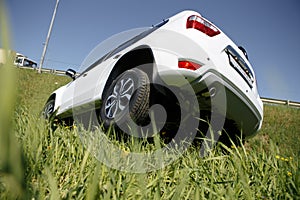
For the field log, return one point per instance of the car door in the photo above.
(87, 87)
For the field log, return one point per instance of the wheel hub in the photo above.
(119, 98)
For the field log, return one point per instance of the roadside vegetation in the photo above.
(36, 163)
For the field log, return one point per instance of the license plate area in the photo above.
(240, 66)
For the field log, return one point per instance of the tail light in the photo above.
(185, 64)
(202, 25)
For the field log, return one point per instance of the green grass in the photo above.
(33, 89)
(42, 164)
(281, 125)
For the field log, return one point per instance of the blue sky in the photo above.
(268, 29)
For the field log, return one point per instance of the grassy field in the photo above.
(36, 163)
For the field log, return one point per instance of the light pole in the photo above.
(48, 37)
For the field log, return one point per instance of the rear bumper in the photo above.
(219, 94)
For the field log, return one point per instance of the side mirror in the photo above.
(71, 73)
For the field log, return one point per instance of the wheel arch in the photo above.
(52, 96)
(139, 56)
(57, 96)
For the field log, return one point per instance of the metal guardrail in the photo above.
(45, 70)
(281, 102)
(54, 71)
(264, 100)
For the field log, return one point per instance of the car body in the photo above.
(186, 45)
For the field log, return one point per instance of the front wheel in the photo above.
(48, 109)
(48, 113)
(126, 98)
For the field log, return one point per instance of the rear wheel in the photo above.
(127, 98)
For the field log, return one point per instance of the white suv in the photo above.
(183, 53)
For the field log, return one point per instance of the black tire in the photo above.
(130, 90)
(231, 135)
(48, 109)
(48, 114)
